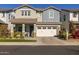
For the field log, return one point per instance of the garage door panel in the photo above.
(46, 32)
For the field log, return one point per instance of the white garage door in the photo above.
(46, 31)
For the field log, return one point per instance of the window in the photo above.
(74, 14)
(44, 27)
(12, 17)
(39, 27)
(28, 13)
(22, 13)
(9, 16)
(49, 27)
(18, 27)
(3, 15)
(25, 13)
(54, 27)
(64, 17)
(51, 14)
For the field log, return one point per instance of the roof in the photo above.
(48, 23)
(24, 20)
(24, 5)
(4, 9)
(71, 10)
(52, 7)
(37, 9)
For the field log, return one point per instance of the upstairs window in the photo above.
(26, 13)
(51, 14)
(74, 14)
(39, 27)
(9, 16)
(22, 13)
(12, 17)
(44, 27)
(3, 15)
(64, 17)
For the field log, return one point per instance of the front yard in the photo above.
(17, 40)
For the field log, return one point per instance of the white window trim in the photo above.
(51, 12)
(24, 9)
(26, 12)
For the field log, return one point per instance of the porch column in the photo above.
(23, 30)
(12, 30)
(34, 30)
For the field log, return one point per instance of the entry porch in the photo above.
(26, 26)
(23, 30)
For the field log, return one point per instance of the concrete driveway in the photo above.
(56, 41)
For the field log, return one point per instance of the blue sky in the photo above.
(61, 6)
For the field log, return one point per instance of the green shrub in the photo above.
(33, 34)
(18, 34)
(62, 33)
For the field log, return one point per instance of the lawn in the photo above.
(16, 40)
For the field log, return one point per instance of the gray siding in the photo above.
(46, 18)
(66, 22)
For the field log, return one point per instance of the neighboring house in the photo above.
(70, 16)
(26, 19)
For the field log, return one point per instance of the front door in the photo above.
(31, 30)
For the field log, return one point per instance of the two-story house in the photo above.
(70, 19)
(43, 22)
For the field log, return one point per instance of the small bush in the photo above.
(62, 33)
(33, 34)
(18, 34)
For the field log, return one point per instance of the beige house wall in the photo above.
(34, 14)
(18, 13)
(39, 16)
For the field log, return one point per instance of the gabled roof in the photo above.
(71, 10)
(24, 6)
(38, 9)
(52, 7)
(5, 10)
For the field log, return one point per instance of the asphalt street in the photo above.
(38, 50)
